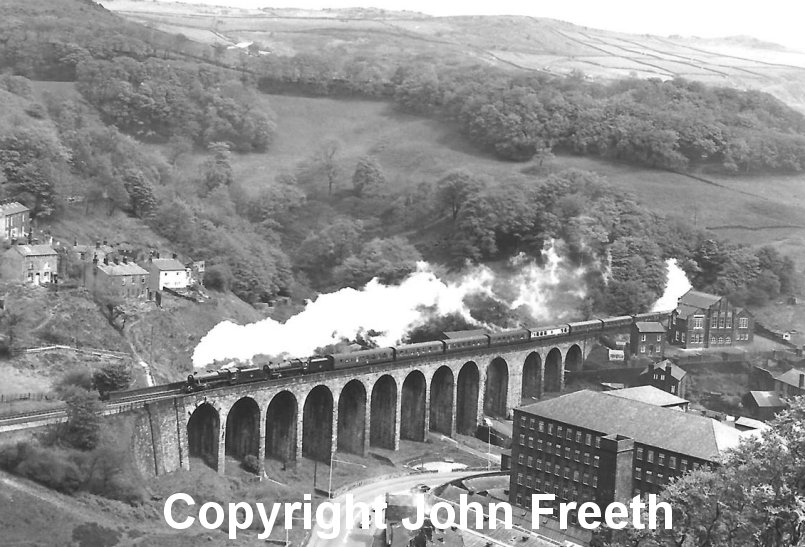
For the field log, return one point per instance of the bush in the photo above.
(113, 377)
(49, 467)
(218, 278)
(251, 464)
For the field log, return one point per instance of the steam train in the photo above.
(339, 361)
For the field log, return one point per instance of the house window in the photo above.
(550, 429)
(650, 458)
(522, 439)
(728, 340)
(642, 337)
(567, 452)
(712, 340)
(595, 481)
(698, 322)
(649, 477)
(743, 323)
(714, 321)
(539, 445)
(639, 453)
(596, 460)
(683, 337)
(720, 340)
(578, 436)
(638, 473)
(559, 431)
(598, 442)
(531, 423)
(530, 461)
(659, 338)
(586, 458)
(576, 455)
(520, 458)
(522, 420)
(661, 459)
(541, 426)
(587, 439)
(672, 462)
(585, 479)
(519, 478)
(569, 434)
(530, 442)
(642, 348)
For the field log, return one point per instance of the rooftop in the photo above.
(686, 311)
(651, 425)
(650, 395)
(649, 326)
(792, 377)
(12, 207)
(121, 269)
(676, 371)
(168, 264)
(750, 423)
(698, 299)
(767, 399)
(34, 250)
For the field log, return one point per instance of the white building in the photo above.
(168, 273)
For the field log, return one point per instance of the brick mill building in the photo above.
(704, 320)
(592, 446)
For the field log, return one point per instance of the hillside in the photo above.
(525, 43)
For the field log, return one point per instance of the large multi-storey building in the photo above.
(592, 446)
(703, 320)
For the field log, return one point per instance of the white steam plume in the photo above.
(676, 285)
(545, 293)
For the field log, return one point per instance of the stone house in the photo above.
(30, 264)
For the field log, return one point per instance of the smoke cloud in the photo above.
(539, 293)
(676, 286)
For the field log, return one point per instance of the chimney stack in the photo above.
(97, 243)
(117, 261)
(104, 242)
(174, 256)
(125, 260)
(668, 369)
(106, 260)
(651, 370)
(95, 259)
(801, 380)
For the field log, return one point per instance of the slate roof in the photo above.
(791, 377)
(648, 394)
(121, 269)
(649, 326)
(750, 423)
(168, 264)
(12, 207)
(676, 371)
(767, 399)
(663, 428)
(698, 299)
(34, 250)
(686, 311)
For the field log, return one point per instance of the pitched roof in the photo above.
(751, 423)
(649, 326)
(168, 264)
(767, 399)
(686, 311)
(12, 207)
(121, 269)
(34, 250)
(791, 377)
(648, 394)
(664, 428)
(698, 299)
(676, 371)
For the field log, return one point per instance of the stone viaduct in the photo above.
(352, 410)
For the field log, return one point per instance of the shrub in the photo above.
(251, 463)
(218, 278)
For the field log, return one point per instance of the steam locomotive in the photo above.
(339, 361)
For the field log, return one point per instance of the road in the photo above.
(357, 537)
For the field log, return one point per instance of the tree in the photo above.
(368, 178)
(83, 428)
(326, 160)
(454, 189)
(389, 260)
(218, 278)
(218, 169)
(141, 193)
(113, 377)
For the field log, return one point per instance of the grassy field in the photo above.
(524, 43)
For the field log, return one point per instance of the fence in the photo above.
(31, 396)
(86, 351)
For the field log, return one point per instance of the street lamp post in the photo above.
(488, 423)
(332, 461)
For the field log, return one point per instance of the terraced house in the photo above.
(593, 446)
(703, 320)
